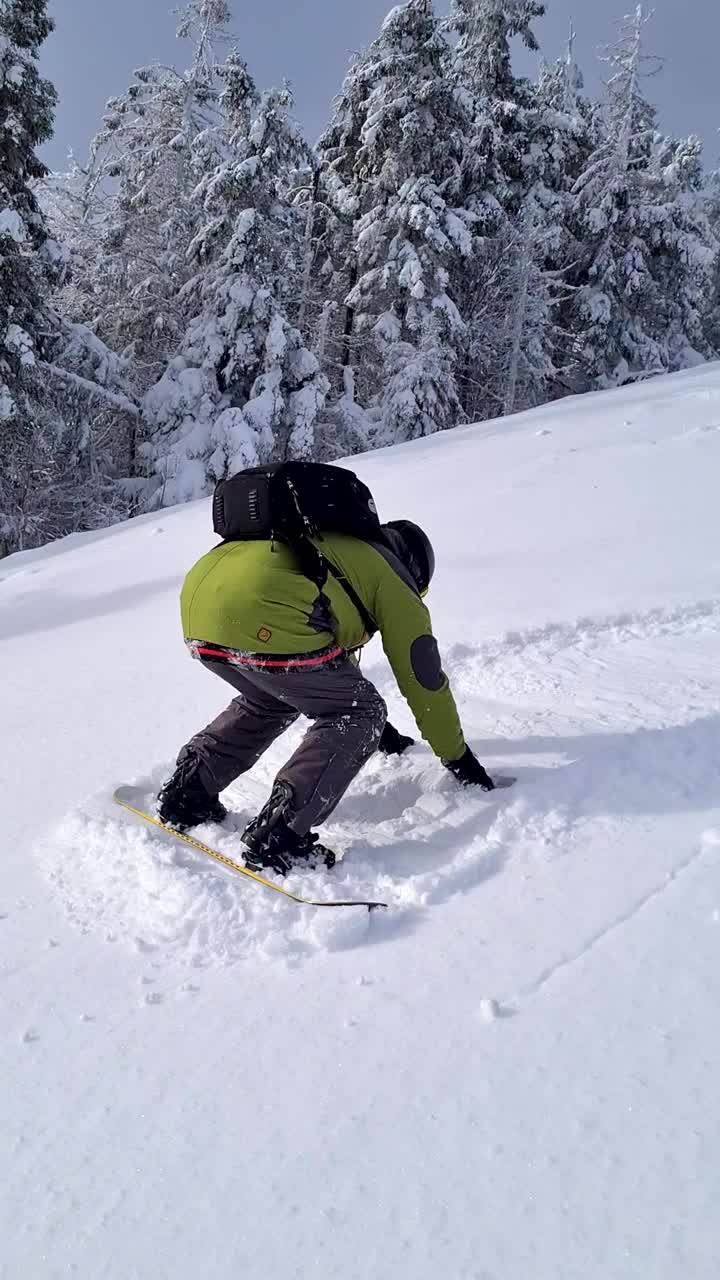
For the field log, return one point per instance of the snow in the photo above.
(510, 1074)
(20, 342)
(392, 17)
(388, 328)
(59, 256)
(11, 224)
(7, 404)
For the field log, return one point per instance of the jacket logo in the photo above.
(264, 635)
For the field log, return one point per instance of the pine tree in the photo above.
(60, 388)
(566, 133)
(26, 115)
(712, 301)
(511, 185)
(648, 250)
(500, 103)
(679, 220)
(68, 216)
(344, 426)
(243, 389)
(28, 263)
(567, 125)
(393, 156)
(485, 29)
(157, 142)
(129, 217)
(420, 389)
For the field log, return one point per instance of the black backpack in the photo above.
(294, 501)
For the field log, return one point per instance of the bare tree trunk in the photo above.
(329, 309)
(133, 448)
(518, 329)
(349, 318)
(309, 251)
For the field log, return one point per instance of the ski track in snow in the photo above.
(410, 837)
(710, 842)
(588, 633)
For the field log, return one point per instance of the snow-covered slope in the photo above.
(510, 1076)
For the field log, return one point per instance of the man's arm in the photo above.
(411, 649)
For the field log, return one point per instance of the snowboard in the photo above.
(131, 798)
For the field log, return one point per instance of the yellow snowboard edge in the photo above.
(124, 796)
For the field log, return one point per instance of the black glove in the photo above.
(393, 743)
(470, 772)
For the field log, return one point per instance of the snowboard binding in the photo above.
(183, 801)
(273, 845)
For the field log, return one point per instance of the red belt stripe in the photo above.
(250, 661)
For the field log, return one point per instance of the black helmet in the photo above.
(414, 549)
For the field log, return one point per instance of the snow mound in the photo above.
(409, 836)
(118, 877)
(410, 839)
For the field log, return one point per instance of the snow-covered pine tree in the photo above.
(54, 386)
(63, 199)
(501, 104)
(129, 217)
(567, 131)
(317, 305)
(510, 185)
(342, 186)
(26, 115)
(157, 142)
(685, 271)
(712, 301)
(344, 426)
(420, 389)
(243, 388)
(567, 127)
(648, 250)
(393, 158)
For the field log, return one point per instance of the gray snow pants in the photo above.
(348, 718)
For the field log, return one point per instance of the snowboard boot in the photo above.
(273, 845)
(184, 802)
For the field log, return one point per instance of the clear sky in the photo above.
(98, 43)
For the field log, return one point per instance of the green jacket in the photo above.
(252, 597)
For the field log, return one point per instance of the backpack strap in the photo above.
(315, 567)
(312, 562)
(369, 623)
(298, 531)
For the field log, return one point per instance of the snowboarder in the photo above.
(252, 617)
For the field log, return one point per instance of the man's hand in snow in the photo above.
(393, 743)
(470, 772)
